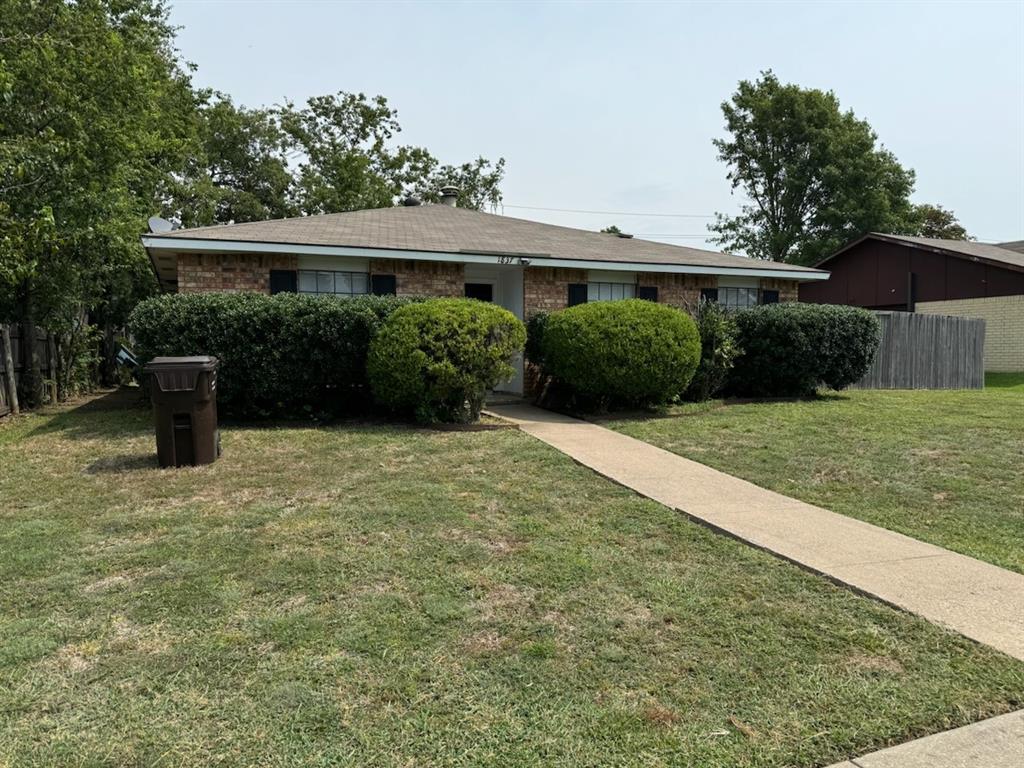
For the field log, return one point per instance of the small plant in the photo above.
(630, 352)
(436, 360)
(719, 349)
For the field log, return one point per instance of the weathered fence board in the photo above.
(927, 352)
(47, 361)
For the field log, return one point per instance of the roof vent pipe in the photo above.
(449, 195)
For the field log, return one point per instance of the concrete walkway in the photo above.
(994, 743)
(981, 601)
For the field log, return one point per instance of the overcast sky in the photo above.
(612, 107)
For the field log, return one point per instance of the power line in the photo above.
(614, 213)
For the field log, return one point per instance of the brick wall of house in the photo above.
(788, 289)
(677, 290)
(229, 273)
(1004, 327)
(546, 289)
(423, 278)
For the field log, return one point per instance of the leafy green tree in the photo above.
(478, 182)
(345, 162)
(342, 145)
(612, 230)
(814, 175)
(94, 117)
(242, 171)
(935, 221)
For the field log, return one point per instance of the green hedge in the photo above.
(630, 352)
(286, 355)
(436, 360)
(792, 349)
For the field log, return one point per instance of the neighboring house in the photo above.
(440, 250)
(939, 277)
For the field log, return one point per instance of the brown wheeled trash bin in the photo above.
(184, 394)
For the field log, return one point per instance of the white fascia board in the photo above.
(241, 246)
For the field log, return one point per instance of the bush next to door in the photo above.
(285, 355)
(436, 360)
(789, 350)
(719, 348)
(630, 352)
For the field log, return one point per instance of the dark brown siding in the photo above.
(876, 274)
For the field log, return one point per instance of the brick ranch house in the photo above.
(441, 250)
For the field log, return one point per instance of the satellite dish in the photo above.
(159, 226)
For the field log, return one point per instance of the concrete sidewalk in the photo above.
(994, 743)
(981, 601)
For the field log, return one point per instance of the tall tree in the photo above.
(935, 221)
(240, 172)
(478, 182)
(343, 147)
(334, 153)
(814, 175)
(94, 114)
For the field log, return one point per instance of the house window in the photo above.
(321, 283)
(610, 291)
(732, 298)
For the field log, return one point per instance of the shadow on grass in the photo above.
(687, 410)
(126, 462)
(100, 416)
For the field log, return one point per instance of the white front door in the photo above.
(503, 285)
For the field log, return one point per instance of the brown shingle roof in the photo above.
(965, 248)
(444, 229)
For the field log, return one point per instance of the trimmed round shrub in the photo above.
(630, 352)
(285, 355)
(436, 360)
(792, 349)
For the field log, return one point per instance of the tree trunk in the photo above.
(7, 358)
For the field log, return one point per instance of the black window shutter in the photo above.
(709, 294)
(769, 297)
(577, 294)
(383, 285)
(647, 292)
(283, 281)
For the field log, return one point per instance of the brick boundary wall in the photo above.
(229, 273)
(423, 278)
(1004, 327)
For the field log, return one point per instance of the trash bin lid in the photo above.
(179, 374)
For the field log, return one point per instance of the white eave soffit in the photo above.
(187, 245)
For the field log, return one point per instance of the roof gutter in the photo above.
(201, 245)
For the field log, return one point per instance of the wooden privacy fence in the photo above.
(47, 361)
(927, 352)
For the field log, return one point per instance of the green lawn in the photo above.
(1011, 381)
(380, 595)
(944, 466)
